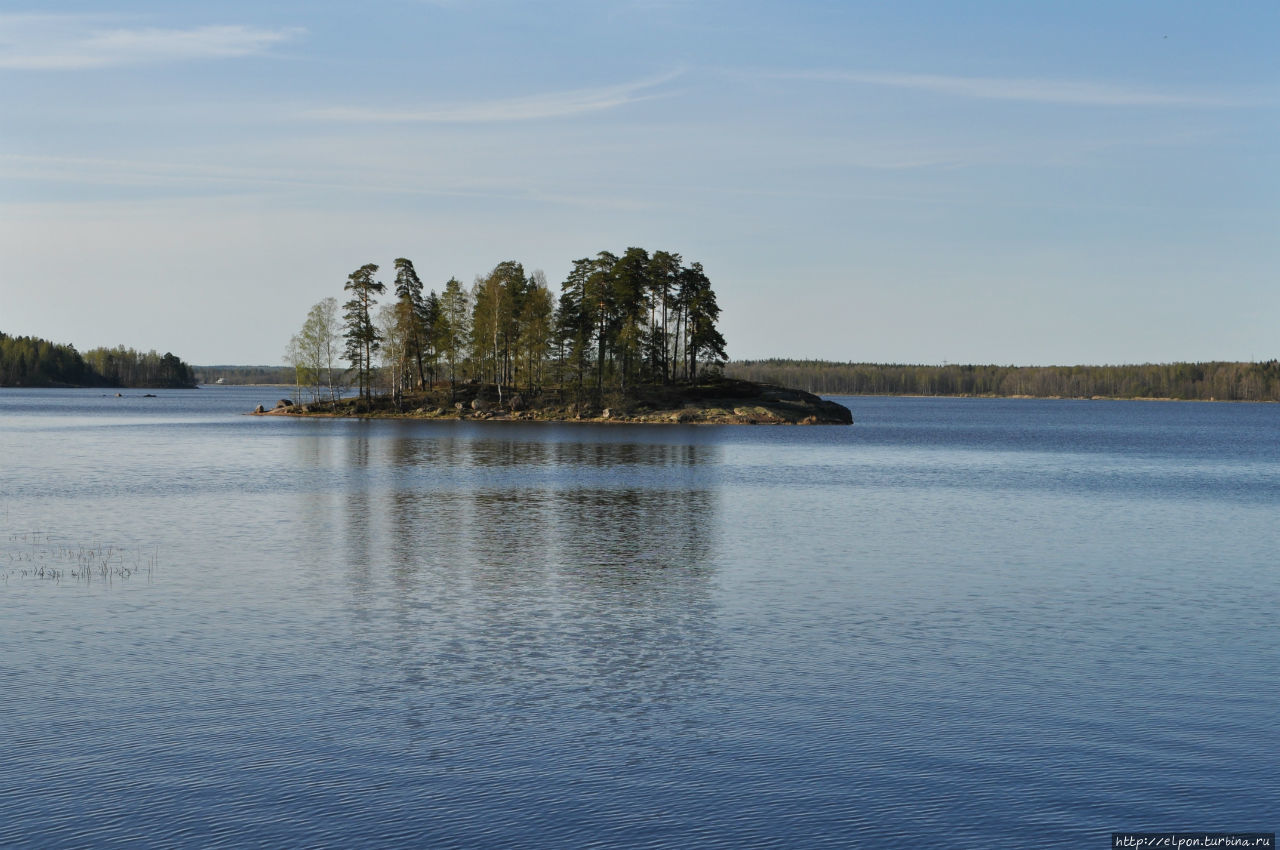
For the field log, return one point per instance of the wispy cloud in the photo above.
(281, 173)
(81, 42)
(1028, 89)
(529, 108)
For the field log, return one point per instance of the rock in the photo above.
(439, 411)
(149, 395)
(480, 404)
(606, 414)
(756, 413)
(284, 402)
(119, 395)
(517, 402)
(688, 414)
(259, 409)
(834, 413)
(458, 406)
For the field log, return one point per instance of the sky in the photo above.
(921, 182)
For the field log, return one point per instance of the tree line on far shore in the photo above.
(618, 321)
(27, 361)
(1213, 381)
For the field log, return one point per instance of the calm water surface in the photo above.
(959, 623)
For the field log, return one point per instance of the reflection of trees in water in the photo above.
(578, 600)
(539, 595)
(636, 562)
(358, 538)
(497, 453)
(631, 454)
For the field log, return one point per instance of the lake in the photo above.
(961, 622)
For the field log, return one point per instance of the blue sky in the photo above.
(912, 181)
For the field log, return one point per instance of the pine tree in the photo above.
(361, 334)
(410, 317)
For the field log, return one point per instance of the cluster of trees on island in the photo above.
(1214, 381)
(27, 361)
(618, 321)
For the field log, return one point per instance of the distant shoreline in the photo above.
(1058, 398)
(1207, 381)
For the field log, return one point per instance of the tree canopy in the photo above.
(27, 361)
(362, 336)
(1221, 381)
(618, 320)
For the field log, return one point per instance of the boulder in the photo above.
(517, 402)
(458, 406)
(259, 409)
(606, 414)
(284, 402)
(480, 404)
(756, 413)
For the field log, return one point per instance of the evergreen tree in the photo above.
(664, 278)
(430, 323)
(454, 326)
(410, 316)
(362, 336)
(701, 314)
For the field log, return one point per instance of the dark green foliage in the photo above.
(641, 318)
(620, 322)
(1220, 381)
(32, 362)
(412, 316)
(363, 338)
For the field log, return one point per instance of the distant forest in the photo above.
(1216, 381)
(27, 361)
(241, 375)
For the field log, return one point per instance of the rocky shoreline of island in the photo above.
(720, 402)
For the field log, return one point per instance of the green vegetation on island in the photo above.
(27, 361)
(629, 337)
(618, 323)
(1214, 381)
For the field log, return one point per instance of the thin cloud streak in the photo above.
(88, 42)
(198, 181)
(530, 108)
(1032, 90)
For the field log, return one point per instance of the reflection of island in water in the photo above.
(572, 575)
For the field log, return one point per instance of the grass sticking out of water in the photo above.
(43, 556)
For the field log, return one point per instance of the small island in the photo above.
(722, 401)
(631, 337)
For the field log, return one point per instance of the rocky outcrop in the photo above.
(720, 402)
